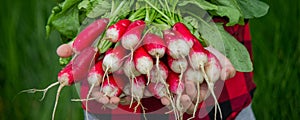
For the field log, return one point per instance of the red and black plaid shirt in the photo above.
(236, 94)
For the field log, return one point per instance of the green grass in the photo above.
(28, 60)
(276, 62)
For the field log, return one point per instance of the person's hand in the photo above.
(108, 102)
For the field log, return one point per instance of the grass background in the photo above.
(28, 60)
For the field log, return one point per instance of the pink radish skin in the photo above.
(185, 32)
(177, 47)
(112, 61)
(143, 62)
(193, 75)
(111, 87)
(158, 90)
(154, 45)
(96, 74)
(133, 35)
(228, 71)
(116, 31)
(177, 65)
(137, 90)
(64, 51)
(159, 75)
(177, 88)
(213, 68)
(87, 36)
(198, 56)
(130, 70)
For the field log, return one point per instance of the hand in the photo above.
(109, 102)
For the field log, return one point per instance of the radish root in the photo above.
(39, 90)
(56, 100)
(210, 87)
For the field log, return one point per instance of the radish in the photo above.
(137, 90)
(112, 86)
(130, 70)
(196, 77)
(198, 56)
(115, 32)
(155, 46)
(159, 75)
(185, 32)
(133, 35)
(211, 74)
(177, 46)
(113, 60)
(64, 50)
(73, 72)
(177, 88)
(178, 66)
(143, 62)
(94, 78)
(87, 36)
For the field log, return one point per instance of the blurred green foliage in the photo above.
(276, 45)
(28, 60)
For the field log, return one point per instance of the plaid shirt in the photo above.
(235, 93)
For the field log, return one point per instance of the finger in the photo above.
(204, 92)
(227, 73)
(165, 101)
(104, 100)
(187, 104)
(125, 100)
(190, 89)
(114, 100)
(111, 106)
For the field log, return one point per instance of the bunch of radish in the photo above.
(160, 64)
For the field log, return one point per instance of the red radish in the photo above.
(143, 62)
(94, 78)
(64, 50)
(130, 70)
(133, 35)
(197, 78)
(213, 68)
(158, 90)
(159, 75)
(177, 65)
(177, 88)
(113, 60)
(73, 72)
(137, 90)
(115, 32)
(211, 75)
(87, 36)
(155, 46)
(96, 73)
(197, 56)
(112, 86)
(177, 46)
(185, 32)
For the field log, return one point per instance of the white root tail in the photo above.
(210, 88)
(39, 90)
(56, 100)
